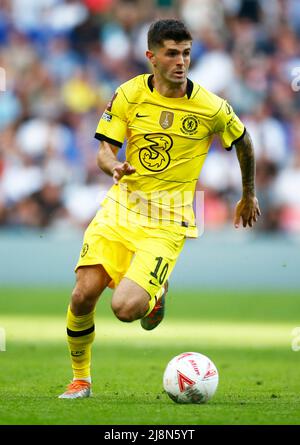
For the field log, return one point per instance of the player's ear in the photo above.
(151, 57)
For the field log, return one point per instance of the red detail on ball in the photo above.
(184, 380)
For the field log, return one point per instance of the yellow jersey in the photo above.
(167, 142)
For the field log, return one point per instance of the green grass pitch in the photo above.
(247, 335)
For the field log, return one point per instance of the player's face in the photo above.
(172, 60)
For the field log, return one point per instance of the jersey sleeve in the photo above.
(112, 125)
(228, 126)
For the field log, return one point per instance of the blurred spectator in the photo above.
(268, 136)
(213, 60)
(266, 173)
(78, 93)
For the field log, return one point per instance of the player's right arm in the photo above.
(108, 162)
(111, 132)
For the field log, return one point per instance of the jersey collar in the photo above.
(189, 86)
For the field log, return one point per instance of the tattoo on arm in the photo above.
(245, 155)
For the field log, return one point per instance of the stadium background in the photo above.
(62, 61)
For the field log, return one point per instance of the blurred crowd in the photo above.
(61, 60)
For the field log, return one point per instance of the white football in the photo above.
(190, 377)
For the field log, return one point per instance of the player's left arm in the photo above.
(247, 208)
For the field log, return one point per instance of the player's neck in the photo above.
(168, 89)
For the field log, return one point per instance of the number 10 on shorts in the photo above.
(160, 270)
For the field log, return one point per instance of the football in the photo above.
(190, 377)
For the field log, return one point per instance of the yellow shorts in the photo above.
(146, 255)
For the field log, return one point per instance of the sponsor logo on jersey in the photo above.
(166, 119)
(107, 117)
(155, 156)
(190, 124)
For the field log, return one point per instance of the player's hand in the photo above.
(248, 210)
(122, 169)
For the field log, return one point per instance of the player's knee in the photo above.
(125, 316)
(123, 313)
(81, 301)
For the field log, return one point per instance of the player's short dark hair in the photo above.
(169, 29)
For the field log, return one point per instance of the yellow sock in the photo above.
(80, 335)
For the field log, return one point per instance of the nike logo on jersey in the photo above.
(141, 115)
(154, 284)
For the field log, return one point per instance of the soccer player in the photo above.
(135, 239)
